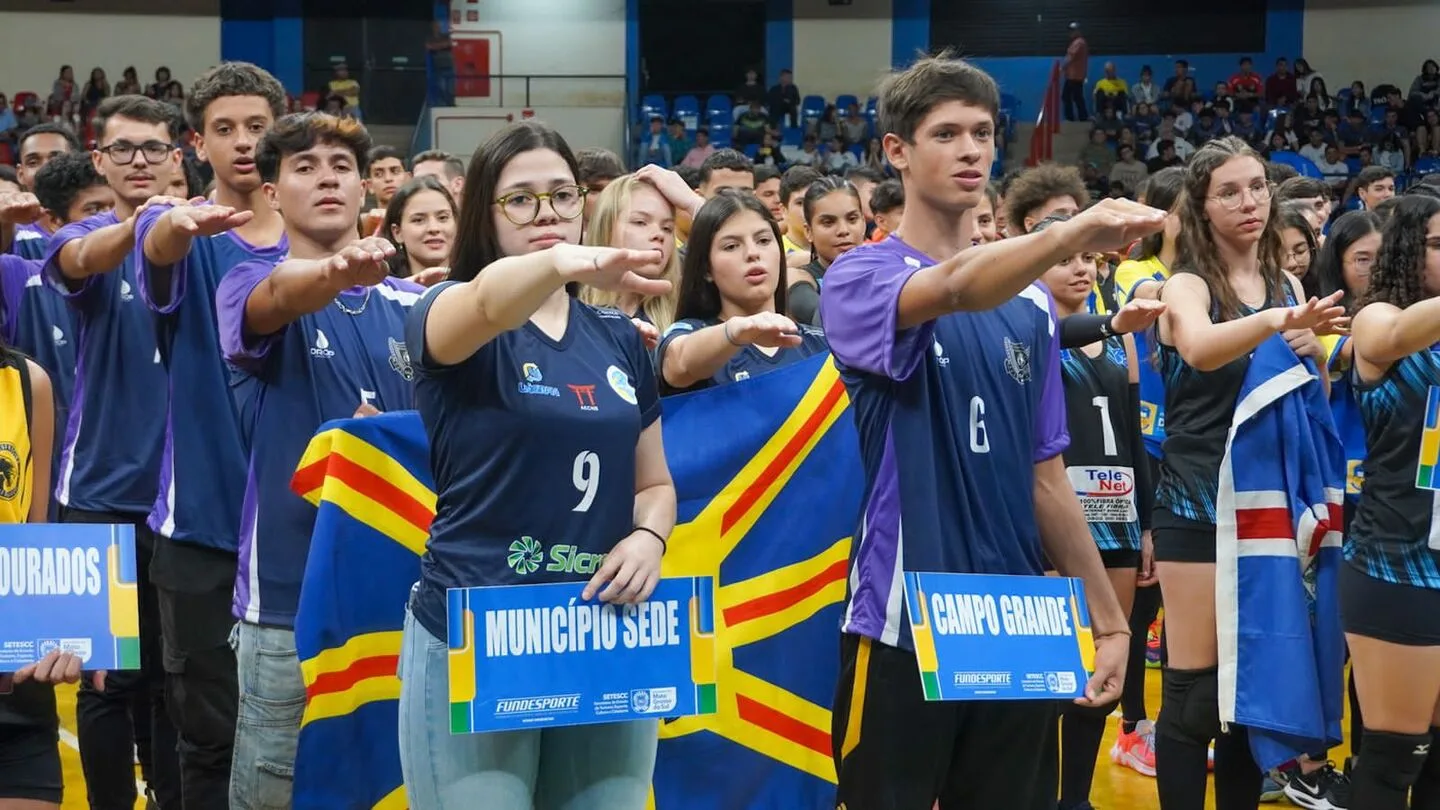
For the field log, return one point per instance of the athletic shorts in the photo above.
(1122, 558)
(30, 763)
(895, 750)
(1399, 614)
(1178, 539)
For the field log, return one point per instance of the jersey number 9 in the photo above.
(586, 478)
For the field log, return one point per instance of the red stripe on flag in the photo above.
(376, 666)
(367, 483)
(772, 471)
(309, 478)
(1263, 524)
(783, 725)
(780, 600)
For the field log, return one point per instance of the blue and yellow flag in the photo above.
(769, 480)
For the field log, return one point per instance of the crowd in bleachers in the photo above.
(1290, 116)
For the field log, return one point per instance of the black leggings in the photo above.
(1142, 615)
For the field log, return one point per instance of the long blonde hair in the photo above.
(612, 205)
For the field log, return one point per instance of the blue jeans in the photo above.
(574, 768)
(272, 702)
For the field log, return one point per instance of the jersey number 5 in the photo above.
(586, 478)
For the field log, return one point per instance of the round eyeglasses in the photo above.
(523, 207)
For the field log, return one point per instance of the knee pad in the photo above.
(1190, 711)
(1430, 770)
(1395, 760)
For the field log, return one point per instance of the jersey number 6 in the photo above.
(586, 478)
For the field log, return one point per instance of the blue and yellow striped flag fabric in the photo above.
(769, 480)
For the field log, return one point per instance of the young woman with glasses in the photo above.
(544, 422)
(1226, 297)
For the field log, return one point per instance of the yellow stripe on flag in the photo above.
(339, 659)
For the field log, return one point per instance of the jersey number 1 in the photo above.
(586, 478)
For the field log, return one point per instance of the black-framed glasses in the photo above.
(523, 207)
(123, 153)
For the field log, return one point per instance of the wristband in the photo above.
(1107, 327)
(664, 546)
(732, 342)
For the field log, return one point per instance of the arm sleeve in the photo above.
(1082, 330)
(861, 306)
(804, 302)
(1144, 487)
(241, 348)
(144, 270)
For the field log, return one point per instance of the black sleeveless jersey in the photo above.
(1394, 535)
(1199, 407)
(1103, 449)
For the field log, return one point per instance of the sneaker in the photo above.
(1272, 789)
(1322, 789)
(1135, 750)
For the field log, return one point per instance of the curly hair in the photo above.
(1195, 248)
(232, 79)
(1400, 265)
(1032, 188)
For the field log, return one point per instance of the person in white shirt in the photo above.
(1315, 148)
(1332, 164)
(838, 158)
(806, 155)
(1145, 91)
(1170, 132)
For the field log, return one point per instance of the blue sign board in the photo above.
(68, 587)
(989, 637)
(530, 656)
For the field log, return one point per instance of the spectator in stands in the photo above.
(1244, 128)
(1359, 99)
(1427, 135)
(450, 169)
(96, 90)
(807, 155)
(9, 124)
(129, 84)
(679, 141)
(1374, 185)
(420, 221)
(1145, 91)
(1075, 65)
(343, 85)
(598, 168)
(874, 157)
(750, 125)
(1109, 121)
(1304, 76)
(828, 125)
(175, 95)
(767, 190)
(1164, 155)
(62, 91)
(161, 86)
(1391, 154)
(793, 185)
(769, 153)
(1206, 127)
(1314, 148)
(1185, 93)
(887, 204)
(837, 158)
(1247, 86)
(385, 175)
(1169, 131)
(1112, 90)
(1320, 93)
(1095, 157)
(1128, 170)
(1175, 84)
(726, 169)
(1333, 165)
(1043, 191)
(654, 146)
(865, 179)
(1425, 89)
(701, 150)
(751, 89)
(783, 101)
(1280, 87)
(854, 128)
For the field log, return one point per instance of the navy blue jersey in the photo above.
(116, 425)
(202, 469)
(30, 242)
(749, 362)
(1394, 535)
(953, 416)
(321, 367)
(532, 443)
(1103, 451)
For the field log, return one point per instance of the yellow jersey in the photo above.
(791, 247)
(1133, 271)
(16, 469)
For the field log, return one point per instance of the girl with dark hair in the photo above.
(1297, 242)
(1390, 589)
(420, 221)
(732, 291)
(1227, 296)
(516, 454)
(834, 224)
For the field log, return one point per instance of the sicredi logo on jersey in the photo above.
(533, 381)
(527, 555)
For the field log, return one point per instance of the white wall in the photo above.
(841, 49)
(33, 47)
(554, 37)
(460, 130)
(1376, 42)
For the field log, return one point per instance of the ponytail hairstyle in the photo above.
(1196, 250)
(819, 190)
(1396, 278)
(1160, 190)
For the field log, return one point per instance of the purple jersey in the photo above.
(202, 471)
(30, 242)
(321, 367)
(953, 416)
(111, 456)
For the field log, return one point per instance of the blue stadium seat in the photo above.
(720, 118)
(1426, 165)
(718, 104)
(1377, 114)
(687, 109)
(720, 135)
(1305, 166)
(1353, 164)
(654, 104)
(842, 103)
(858, 150)
(751, 150)
(811, 108)
(792, 136)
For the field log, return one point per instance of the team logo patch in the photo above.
(1017, 361)
(620, 382)
(400, 359)
(9, 471)
(525, 555)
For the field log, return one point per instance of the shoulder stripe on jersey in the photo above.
(405, 297)
(1037, 296)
